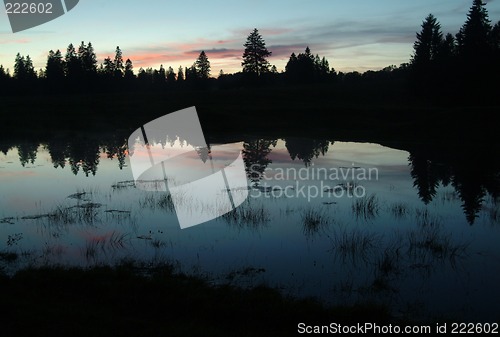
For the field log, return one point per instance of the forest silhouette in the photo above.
(446, 92)
(443, 67)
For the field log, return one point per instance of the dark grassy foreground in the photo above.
(105, 301)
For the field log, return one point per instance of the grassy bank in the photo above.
(126, 301)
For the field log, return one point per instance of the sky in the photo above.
(354, 35)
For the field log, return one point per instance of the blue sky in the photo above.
(353, 35)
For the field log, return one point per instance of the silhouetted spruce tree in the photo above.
(88, 61)
(475, 53)
(73, 66)
(118, 63)
(191, 76)
(202, 65)
(159, 77)
(3, 73)
(171, 78)
(129, 70)
(30, 69)
(24, 72)
(4, 80)
(428, 44)
(425, 67)
(255, 55)
(145, 78)
(291, 69)
(54, 70)
(108, 68)
(473, 37)
(180, 74)
(447, 50)
(306, 66)
(19, 67)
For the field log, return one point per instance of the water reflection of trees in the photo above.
(462, 168)
(27, 152)
(306, 149)
(256, 157)
(431, 166)
(80, 154)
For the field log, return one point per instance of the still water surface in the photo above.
(344, 222)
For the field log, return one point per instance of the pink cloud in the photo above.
(18, 41)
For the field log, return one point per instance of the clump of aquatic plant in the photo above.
(157, 243)
(353, 244)
(313, 221)
(155, 200)
(399, 209)
(430, 238)
(13, 239)
(108, 242)
(426, 219)
(247, 214)
(366, 207)
(389, 263)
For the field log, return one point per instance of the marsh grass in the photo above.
(313, 221)
(366, 207)
(429, 241)
(157, 243)
(108, 242)
(388, 267)
(390, 261)
(82, 213)
(353, 245)
(425, 219)
(247, 215)
(158, 201)
(399, 210)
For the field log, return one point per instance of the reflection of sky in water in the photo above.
(309, 261)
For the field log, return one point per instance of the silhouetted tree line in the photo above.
(464, 64)
(442, 67)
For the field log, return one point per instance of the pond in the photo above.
(345, 222)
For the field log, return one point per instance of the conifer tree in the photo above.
(255, 54)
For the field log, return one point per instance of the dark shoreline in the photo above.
(322, 111)
(123, 301)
